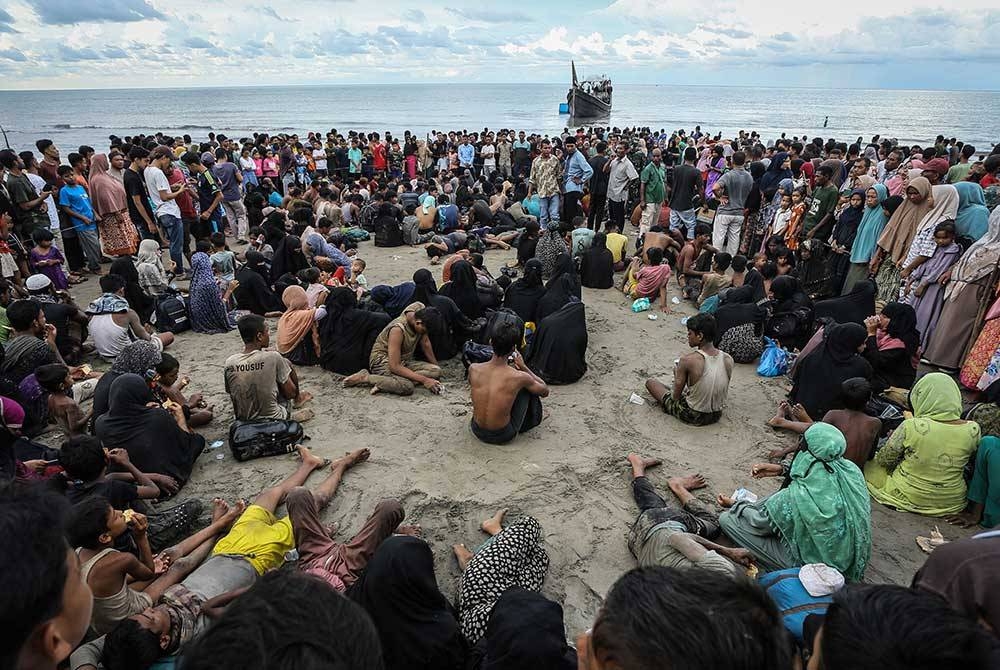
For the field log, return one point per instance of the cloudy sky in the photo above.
(153, 43)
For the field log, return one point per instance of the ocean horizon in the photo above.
(72, 117)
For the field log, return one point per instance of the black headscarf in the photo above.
(558, 351)
(853, 307)
(254, 292)
(738, 313)
(347, 334)
(563, 288)
(525, 632)
(847, 225)
(415, 622)
(137, 298)
(462, 289)
(892, 203)
(288, 258)
(597, 266)
(394, 299)
(455, 327)
(903, 325)
(775, 174)
(788, 295)
(819, 374)
(523, 295)
(153, 440)
(791, 320)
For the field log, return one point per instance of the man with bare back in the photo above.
(678, 537)
(506, 394)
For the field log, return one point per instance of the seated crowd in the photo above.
(855, 263)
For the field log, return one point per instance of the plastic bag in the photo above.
(774, 360)
(640, 305)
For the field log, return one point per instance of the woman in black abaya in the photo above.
(456, 326)
(558, 352)
(347, 334)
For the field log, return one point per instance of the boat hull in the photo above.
(582, 105)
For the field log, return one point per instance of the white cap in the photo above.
(37, 282)
(819, 579)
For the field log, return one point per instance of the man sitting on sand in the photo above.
(701, 378)
(391, 367)
(506, 394)
(262, 384)
(677, 537)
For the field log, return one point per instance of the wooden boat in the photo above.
(589, 98)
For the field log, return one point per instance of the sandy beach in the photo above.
(570, 472)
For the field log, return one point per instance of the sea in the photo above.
(74, 117)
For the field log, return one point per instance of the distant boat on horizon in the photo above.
(590, 98)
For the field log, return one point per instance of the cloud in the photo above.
(490, 15)
(194, 42)
(114, 53)
(730, 32)
(5, 22)
(68, 12)
(271, 12)
(71, 55)
(13, 54)
(414, 16)
(784, 37)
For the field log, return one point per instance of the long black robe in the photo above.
(558, 352)
(347, 334)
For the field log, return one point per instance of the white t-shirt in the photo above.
(50, 204)
(156, 181)
(489, 153)
(319, 157)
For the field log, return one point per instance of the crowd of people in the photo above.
(871, 269)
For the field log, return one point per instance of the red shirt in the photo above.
(378, 156)
(988, 180)
(184, 200)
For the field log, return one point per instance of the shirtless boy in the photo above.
(657, 238)
(688, 274)
(860, 429)
(506, 394)
(701, 378)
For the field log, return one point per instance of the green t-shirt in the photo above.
(824, 200)
(959, 172)
(653, 176)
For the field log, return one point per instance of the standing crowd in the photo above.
(868, 273)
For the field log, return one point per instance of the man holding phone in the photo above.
(29, 204)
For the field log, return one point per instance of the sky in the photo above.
(911, 44)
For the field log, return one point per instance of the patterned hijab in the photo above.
(208, 313)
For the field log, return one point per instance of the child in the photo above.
(581, 237)
(795, 221)
(782, 217)
(785, 261)
(651, 280)
(223, 260)
(46, 258)
(860, 429)
(358, 280)
(313, 280)
(411, 226)
(85, 464)
(712, 282)
(739, 271)
(166, 386)
(8, 265)
(923, 289)
(259, 244)
(63, 410)
(618, 245)
(75, 204)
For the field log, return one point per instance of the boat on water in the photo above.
(589, 98)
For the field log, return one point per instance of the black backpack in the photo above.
(172, 314)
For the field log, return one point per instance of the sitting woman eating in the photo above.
(298, 332)
(822, 516)
(920, 469)
(891, 348)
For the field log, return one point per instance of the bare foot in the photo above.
(411, 530)
(435, 261)
(640, 463)
(303, 398)
(374, 390)
(349, 460)
(303, 415)
(799, 413)
(463, 555)
(219, 508)
(494, 524)
(233, 513)
(359, 378)
(725, 501)
(689, 482)
(778, 420)
(309, 458)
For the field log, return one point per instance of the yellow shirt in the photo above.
(259, 537)
(617, 243)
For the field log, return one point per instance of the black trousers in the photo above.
(525, 414)
(596, 216)
(616, 212)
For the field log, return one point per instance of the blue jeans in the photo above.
(174, 228)
(548, 209)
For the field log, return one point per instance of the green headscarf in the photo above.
(824, 515)
(936, 396)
